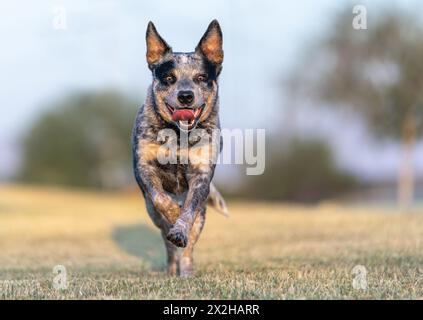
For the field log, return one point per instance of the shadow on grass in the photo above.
(141, 241)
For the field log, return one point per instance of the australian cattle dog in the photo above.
(182, 99)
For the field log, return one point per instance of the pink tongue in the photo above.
(183, 114)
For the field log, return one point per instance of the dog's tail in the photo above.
(217, 202)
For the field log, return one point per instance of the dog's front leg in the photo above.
(153, 189)
(199, 187)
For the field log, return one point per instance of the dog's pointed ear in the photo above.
(157, 48)
(211, 43)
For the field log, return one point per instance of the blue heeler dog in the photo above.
(182, 97)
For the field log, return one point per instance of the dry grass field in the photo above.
(263, 251)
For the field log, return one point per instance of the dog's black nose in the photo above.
(186, 97)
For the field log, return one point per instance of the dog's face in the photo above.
(185, 84)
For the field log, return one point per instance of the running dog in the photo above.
(183, 98)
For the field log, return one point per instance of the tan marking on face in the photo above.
(161, 106)
(209, 104)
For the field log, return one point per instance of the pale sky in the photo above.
(103, 46)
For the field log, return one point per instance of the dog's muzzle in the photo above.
(185, 118)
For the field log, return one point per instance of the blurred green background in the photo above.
(342, 108)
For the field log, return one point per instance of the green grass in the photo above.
(263, 251)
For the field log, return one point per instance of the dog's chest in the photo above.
(173, 178)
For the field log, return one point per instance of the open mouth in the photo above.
(185, 118)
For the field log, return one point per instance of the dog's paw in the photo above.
(178, 236)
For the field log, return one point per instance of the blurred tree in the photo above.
(378, 73)
(82, 140)
(300, 170)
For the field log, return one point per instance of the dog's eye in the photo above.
(169, 79)
(201, 78)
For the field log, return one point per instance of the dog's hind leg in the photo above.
(172, 256)
(186, 260)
